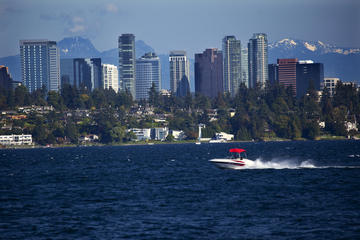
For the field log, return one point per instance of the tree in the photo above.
(219, 101)
(124, 98)
(153, 95)
(71, 132)
(294, 128)
(99, 98)
(22, 97)
(39, 133)
(243, 134)
(69, 95)
(117, 134)
(38, 96)
(170, 138)
(311, 129)
(201, 101)
(336, 125)
(54, 99)
(3, 99)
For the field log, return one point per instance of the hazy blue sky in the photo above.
(191, 25)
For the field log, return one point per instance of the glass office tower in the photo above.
(127, 71)
(244, 67)
(148, 72)
(82, 73)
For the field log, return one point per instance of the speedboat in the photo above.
(236, 160)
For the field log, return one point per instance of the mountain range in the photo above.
(338, 62)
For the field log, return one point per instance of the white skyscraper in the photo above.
(148, 71)
(258, 60)
(40, 64)
(179, 73)
(110, 77)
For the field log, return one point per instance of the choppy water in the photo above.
(299, 190)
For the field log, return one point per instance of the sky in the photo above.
(190, 25)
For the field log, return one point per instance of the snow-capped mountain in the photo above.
(304, 47)
(338, 62)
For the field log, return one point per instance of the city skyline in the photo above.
(334, 22)
(208, 69)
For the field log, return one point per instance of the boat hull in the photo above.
(232, 163)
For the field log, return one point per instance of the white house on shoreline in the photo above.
(9, 140)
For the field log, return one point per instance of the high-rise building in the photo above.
(82, 73)
(244, 67)
(40, 64)
(330, 83)
(110, 77)
(287, 73)
(258, 60)
(67, 71)
(96, 73)
(127, 71)
(148, 72)
(308, 72)
(6, 81)
(179, 73)
(273, 70)
(297, 74)
(209, 72)
(232, 64)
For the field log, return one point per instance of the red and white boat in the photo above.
(236, 160)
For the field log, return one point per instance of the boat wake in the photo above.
(288, 164)
(280, 164)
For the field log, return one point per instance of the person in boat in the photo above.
(238, 156)
(235, 155)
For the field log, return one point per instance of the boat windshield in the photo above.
(236, 155)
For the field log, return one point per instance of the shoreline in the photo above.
(321, 138)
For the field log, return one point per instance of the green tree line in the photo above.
(258, 113)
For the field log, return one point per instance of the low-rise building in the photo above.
(15, 139)
(224, 136)
(330, 83)
(37, 109)
(178, 135)
(164, 92)
(18, 117)
(159, 134)
(89, 138)
(351, 126)
(142, 134)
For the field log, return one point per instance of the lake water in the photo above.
(299, 190)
